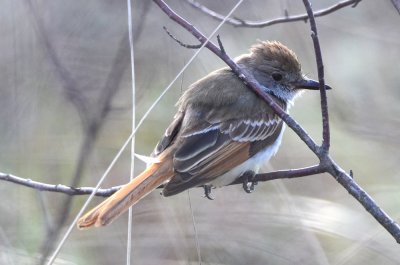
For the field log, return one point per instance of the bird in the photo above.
(221, 131)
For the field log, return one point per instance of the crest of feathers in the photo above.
(277, 54)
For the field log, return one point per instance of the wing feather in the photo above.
(170, 134)
(213, 149)
(223, 125)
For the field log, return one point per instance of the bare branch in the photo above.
(68, 83)
(221, 47)
(322, 88)
(237, 22)
(346, 180)
(60, 188)
(396, 4)
(322, 153)
(286, 174)
(365, 200)
(245, 77)
(57, 187)
(95, 124)
(189, 46)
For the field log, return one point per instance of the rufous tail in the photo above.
(107, 211)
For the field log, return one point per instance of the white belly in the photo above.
(253, 164)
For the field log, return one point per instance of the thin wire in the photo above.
(130, 214)
(103, 177)
(68, 232)
(196, 238)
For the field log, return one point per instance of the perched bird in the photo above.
(221, 131)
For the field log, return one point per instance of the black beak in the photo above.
(310, 84)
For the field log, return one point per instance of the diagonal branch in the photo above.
(396, 4)
(68, 83)
(237, 22)
(326, 161)
(92, 124)
(247, 78)
(92, 131)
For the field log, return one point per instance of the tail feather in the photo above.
(128, 195)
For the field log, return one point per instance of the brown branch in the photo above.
(221, 47)
(60, 188)
(322, 153)
(57, 187)
(346, 180)
(285, 174)
(237, 22)
(245, 77)
(320, 67)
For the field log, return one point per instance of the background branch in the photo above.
(396, 4)
(93, 117)
(92, 130)
(237, 22)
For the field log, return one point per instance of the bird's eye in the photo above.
(277, 76)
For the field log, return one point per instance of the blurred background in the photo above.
(65, 97)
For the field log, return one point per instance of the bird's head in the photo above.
(277, 68)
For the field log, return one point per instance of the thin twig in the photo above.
(221, 47)
(41, 186)
(189, 46)
(237, 22)
(322, 89)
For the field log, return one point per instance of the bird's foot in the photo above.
(207, 192)
(248, 181)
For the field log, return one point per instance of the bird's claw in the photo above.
(248, 176)
(207, 192)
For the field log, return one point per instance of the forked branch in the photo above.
(322, 152)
